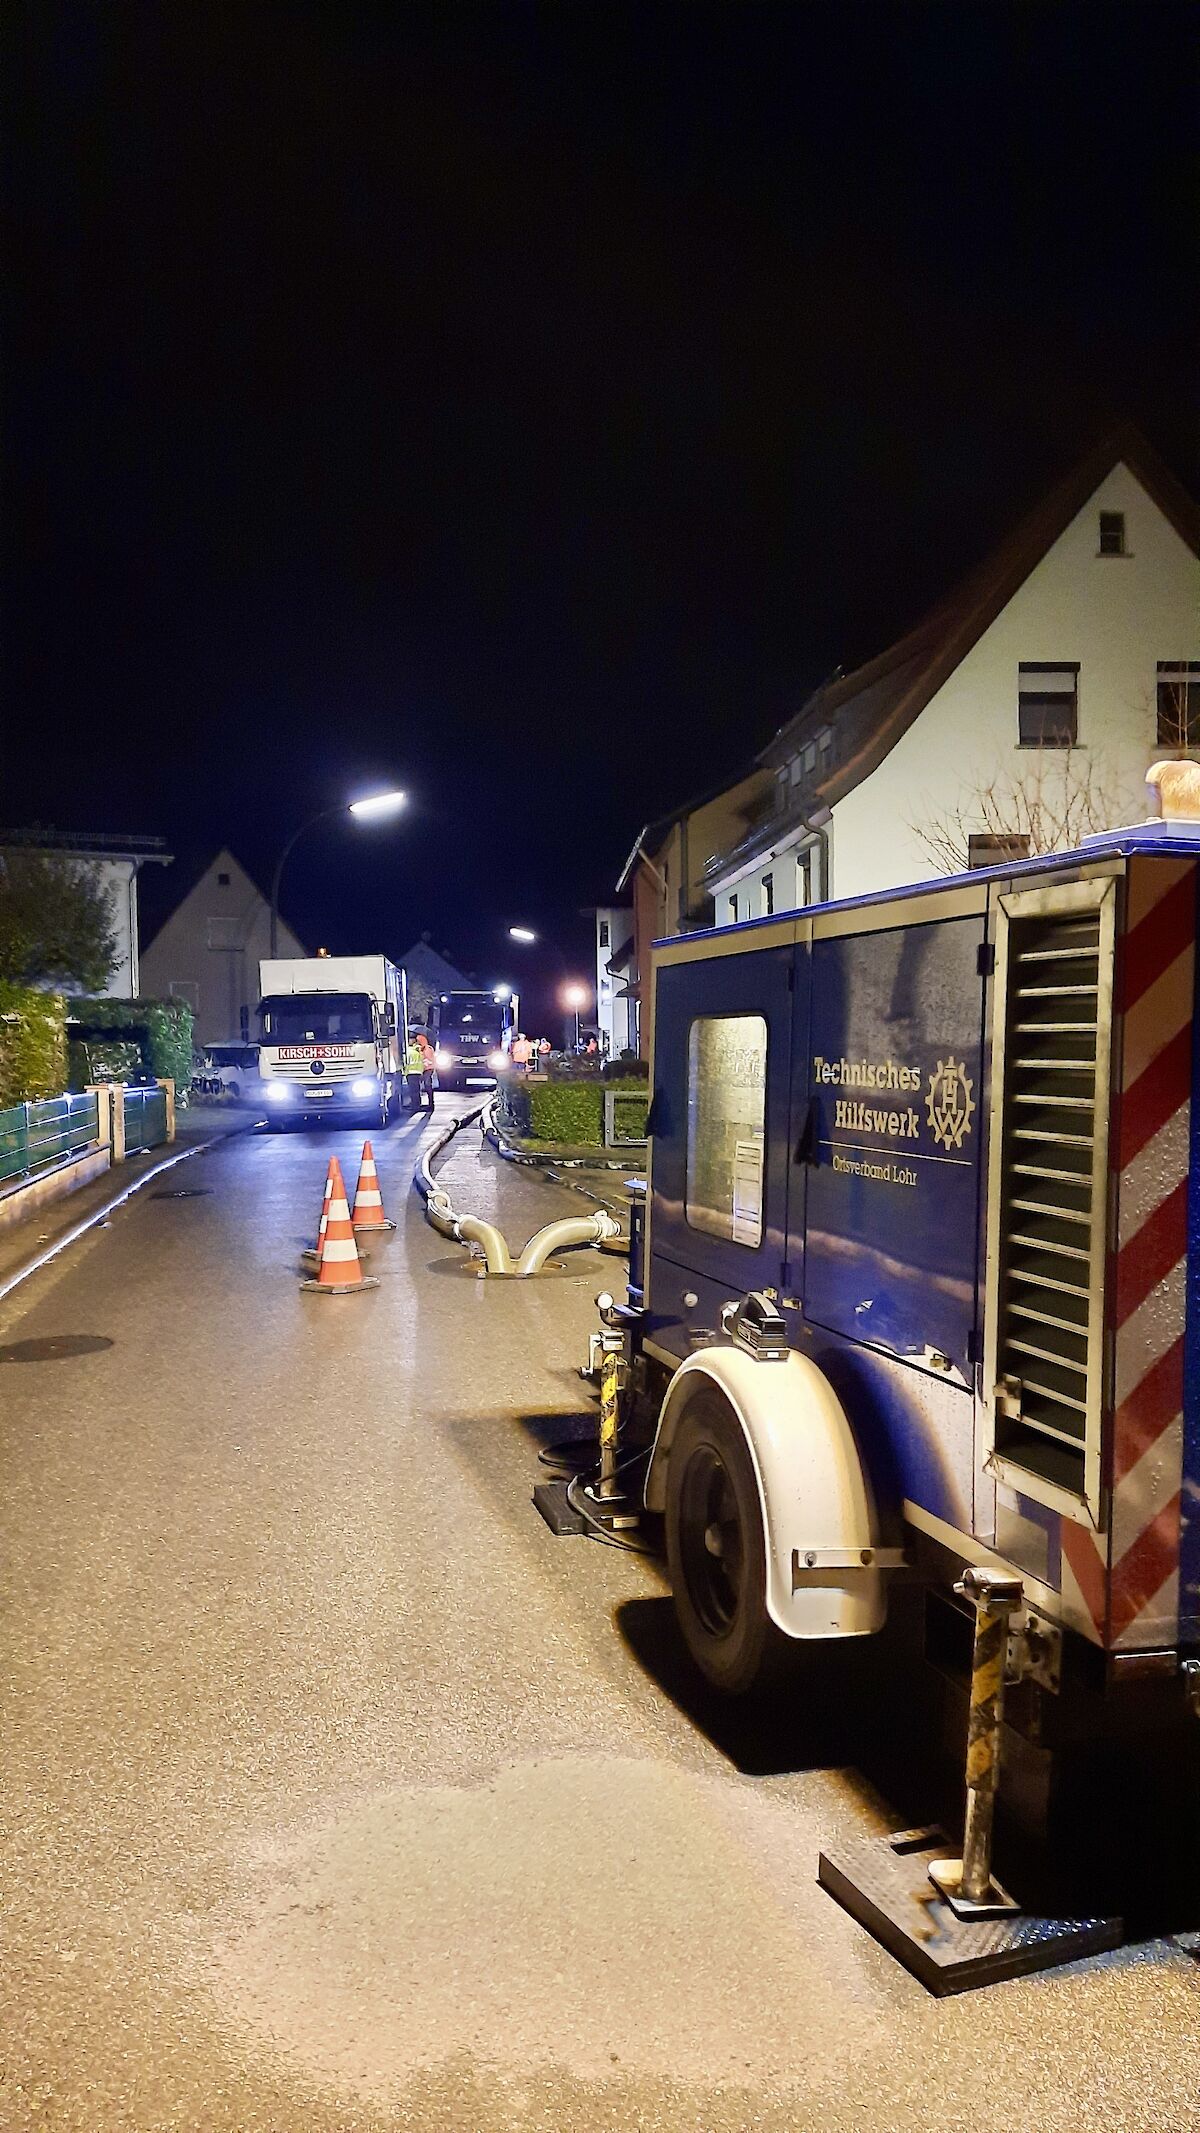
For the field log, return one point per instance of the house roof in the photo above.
(191, 872)
(873, 707)
(90, 844)
(434, 968)
(650, 836)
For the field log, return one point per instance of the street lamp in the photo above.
(575, 997)
(522, 933)
(372, 808)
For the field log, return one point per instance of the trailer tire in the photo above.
(716, 1551)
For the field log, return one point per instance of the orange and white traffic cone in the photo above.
(338, 1270)
(368, 1200)
(311, 1255)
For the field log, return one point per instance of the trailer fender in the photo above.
(815, 1496)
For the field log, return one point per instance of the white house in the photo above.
(208, 951)
(1032, 700)
(616, 974)
(114, 862)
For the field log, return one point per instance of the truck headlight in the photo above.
(276, 1092)
(364, 1088)
(443, 1058)
(497, 1062)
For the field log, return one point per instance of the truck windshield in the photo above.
(475, 1011)
(317, 1018)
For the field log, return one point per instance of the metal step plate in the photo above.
(884, 1883)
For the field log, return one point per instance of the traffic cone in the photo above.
(368, 1201)
(311, 1255)
(338, 1270)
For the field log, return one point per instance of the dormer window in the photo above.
(1112, 533)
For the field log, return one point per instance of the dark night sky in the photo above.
(529, 404)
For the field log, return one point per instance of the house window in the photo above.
(825, 743)
(809, 759)
(1112, 533)
(768, 895)
(726, 1119)
(733, 910)
(1048, 704)
(989, 849)
(797, 772)
(1179, 703)
(222, 881)
(604, 933)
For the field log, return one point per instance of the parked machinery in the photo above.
(920, 1297)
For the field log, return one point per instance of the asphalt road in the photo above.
(338, 1794)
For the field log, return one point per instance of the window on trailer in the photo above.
(726, 1126)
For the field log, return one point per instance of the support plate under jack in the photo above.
(884, 1883)
(550, 1498)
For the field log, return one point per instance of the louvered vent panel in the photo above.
(1048, 1332)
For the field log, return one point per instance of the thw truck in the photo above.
(333, 1033)
(920, 1293)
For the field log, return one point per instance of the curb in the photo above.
(539, 1159)
(79, 1229)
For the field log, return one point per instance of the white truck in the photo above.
(333, 1034)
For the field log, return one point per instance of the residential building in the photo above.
(616, 997)
(1026, 708)
(208, 951)
(666, 874)
(115, 862)
(428, 975)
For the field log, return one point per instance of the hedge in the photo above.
(568, 1112)
(33, 1045)
(160, 1029)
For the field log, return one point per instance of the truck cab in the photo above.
(331, 1027)
(471, 1032)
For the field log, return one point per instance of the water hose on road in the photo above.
(472, 1230)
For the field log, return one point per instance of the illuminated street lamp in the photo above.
(575, 997)
(373, 807)
(525, 934)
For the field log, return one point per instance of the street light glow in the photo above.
(377, 804)
(502, 992)
(521, 933)
(575, 996)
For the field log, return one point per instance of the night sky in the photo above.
(528, 405)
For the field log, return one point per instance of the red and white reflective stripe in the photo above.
(1156, 975)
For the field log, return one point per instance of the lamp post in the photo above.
(575, 997)
(374, 807)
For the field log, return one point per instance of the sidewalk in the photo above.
(28, 1243)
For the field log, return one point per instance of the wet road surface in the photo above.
(339, 1796)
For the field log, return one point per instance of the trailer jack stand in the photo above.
(967, 1883)
(947, 1920)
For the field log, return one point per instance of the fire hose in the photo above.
(472, 1230)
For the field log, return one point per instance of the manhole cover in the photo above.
(184, 1192)
(52, 1347)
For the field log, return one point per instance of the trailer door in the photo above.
(722, 1063)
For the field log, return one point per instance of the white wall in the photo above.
(1116, 615)
(790, 877)
(615, 1017)
(209, 950)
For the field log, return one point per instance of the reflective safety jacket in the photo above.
(413, 1062)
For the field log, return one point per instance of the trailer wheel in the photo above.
(716, 1551)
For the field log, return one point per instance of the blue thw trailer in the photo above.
(919, 1294)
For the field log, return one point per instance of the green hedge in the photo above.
(33, 1045)
(160, 1029)
(568, 1112)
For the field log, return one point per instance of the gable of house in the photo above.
(208, 949)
